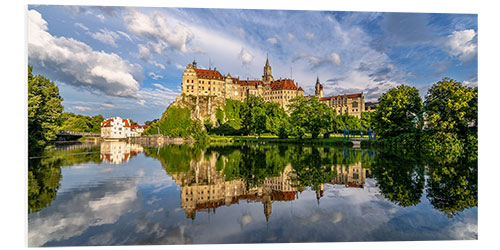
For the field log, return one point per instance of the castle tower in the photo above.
(319, 89)
(268, 208)
(267, 77)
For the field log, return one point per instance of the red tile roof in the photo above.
(337, 96)
(209, 74)
(250, 82)
(283, 84)
(107, 123)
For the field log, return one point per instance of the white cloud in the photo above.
(320, 61)
(272, 40)
(162, 32)
(335, 58)
(82, 108)
(73, 219)
(290, 36)
(463, 44)
(159, 65)
(106, 36)
(160, 96)
(101, 17)
(141, 102)
(108, 105)
(162, 87)
(245, 57)
(124, 35)
(155, 76)
(81, 26)
(179, 66)
(75, 63)
(309, 35)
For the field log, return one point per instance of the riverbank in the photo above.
(273, 139)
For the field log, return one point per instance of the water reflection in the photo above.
(165, 194)
(116, 152)
(221, 176)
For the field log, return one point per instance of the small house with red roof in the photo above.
(115, 128)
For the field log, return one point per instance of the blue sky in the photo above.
(129, 61)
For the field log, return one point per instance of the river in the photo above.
(116, 193)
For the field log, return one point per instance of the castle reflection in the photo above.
(205, 187)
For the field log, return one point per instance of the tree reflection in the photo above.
(44, 172)
(43, 182)
(312, 168)
(452, 187)
(401, 180)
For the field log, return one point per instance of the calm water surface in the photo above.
(115, 193)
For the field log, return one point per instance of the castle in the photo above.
(208, 82)
(211, 83)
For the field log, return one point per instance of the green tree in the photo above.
(399, 111)
(253, 115)
(451, 107)
(44, 110)
(275, 117)
(310, 115)
(451, 130)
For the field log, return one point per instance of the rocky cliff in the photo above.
(202, 108)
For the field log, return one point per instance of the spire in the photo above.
(194, 63)
(267, 60)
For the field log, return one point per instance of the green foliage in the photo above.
(443, 146)
(276, 116)
(175, 122)
(452, 187)
(366, 120)
(451, 107)
(228, 118)
(311, 168)
(253, 115)
(81, 123)
(348, 122)
(285, 129)
(44, 174)
(197, 132)
(44, 111)
(401, 180)
(310, 115)
(399, 111)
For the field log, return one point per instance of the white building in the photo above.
(116, 152)
(115, 128)
(136, 130)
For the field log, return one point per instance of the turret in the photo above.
(267, 77)
(319, 89)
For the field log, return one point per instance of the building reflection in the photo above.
(204, 188)
(351, 176)
(116, 152)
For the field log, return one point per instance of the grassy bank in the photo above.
(336, 141)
